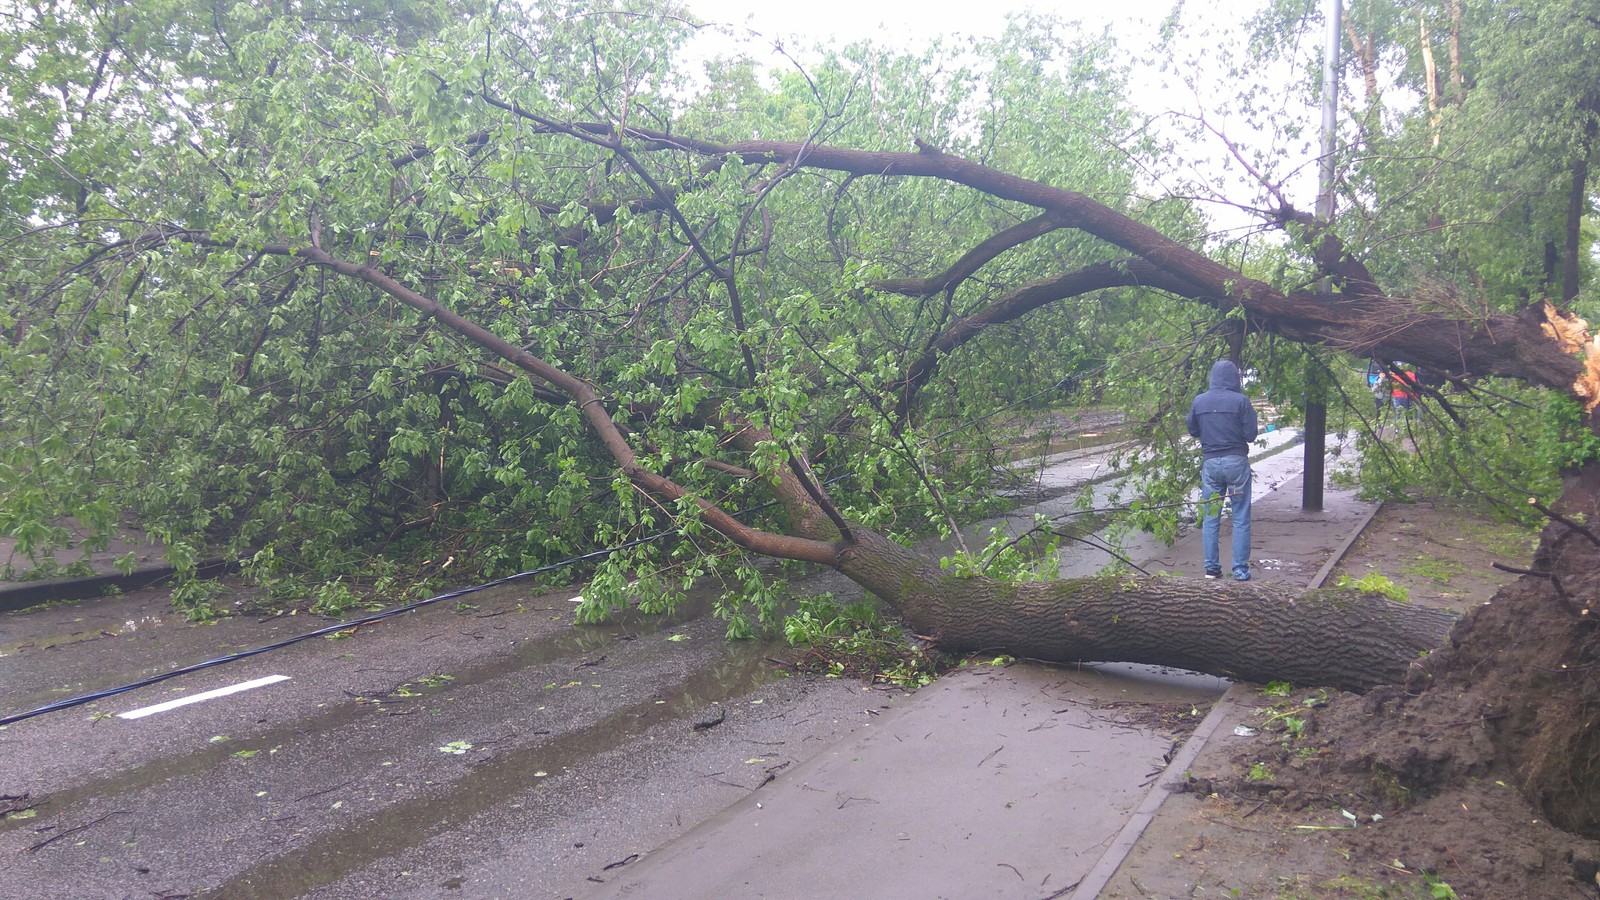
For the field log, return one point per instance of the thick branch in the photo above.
(1012, 306)
(974, 259)
(1331, 256)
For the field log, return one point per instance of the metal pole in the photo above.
(1330, 120)
(1316, 407)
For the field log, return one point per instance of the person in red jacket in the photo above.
(1405, 389)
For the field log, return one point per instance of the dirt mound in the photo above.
(1480, 777)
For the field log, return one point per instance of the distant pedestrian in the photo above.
(1405, 387)
(1375, 385)
(1225, 422)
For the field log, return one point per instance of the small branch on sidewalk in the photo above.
(1236, 827)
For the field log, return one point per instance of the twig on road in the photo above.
(990, 756)
(51, 840)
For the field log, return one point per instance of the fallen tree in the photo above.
(1345, 638)
(660, 319)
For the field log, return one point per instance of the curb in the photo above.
(1106, 868)
(18, 596)
(1343, 548)
(1099, 876)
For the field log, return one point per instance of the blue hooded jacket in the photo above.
(1222, 417)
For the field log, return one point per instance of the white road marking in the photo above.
(207, 695)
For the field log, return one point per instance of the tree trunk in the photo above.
(1346, 639)
(1458, 78)
(1364, 52)
(1577, 206)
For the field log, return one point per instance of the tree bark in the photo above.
(1577, 205)
(1346, 639)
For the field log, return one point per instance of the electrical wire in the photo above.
(330, 629)
(353, 623)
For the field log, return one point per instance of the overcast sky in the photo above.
(913, 23)
(1134, 23)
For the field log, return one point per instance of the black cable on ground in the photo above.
(330, 629)
(352, 623)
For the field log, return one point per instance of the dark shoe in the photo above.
(1213, 573)
(1241, 576)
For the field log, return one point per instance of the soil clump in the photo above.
(1442, 787)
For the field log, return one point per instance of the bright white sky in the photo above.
(913, 23)
(1134, 23)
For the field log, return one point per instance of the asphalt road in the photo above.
(394, 753)
(487, 749)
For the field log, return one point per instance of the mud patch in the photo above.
(1313, 795)
(1441, 554)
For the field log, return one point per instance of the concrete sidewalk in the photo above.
(1290, 546)
(1022, 781)
(992, 782)
(95, 571)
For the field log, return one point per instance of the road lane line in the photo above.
(207, 695)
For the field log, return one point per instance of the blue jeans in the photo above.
(1225, 476)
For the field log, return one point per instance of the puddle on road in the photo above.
(330, 856)
(52, 641)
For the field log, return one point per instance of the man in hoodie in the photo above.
(1225, 422)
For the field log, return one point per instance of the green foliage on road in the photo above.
(853, 640)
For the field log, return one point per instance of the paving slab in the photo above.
(995, 782)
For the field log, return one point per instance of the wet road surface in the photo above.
(486, 749)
